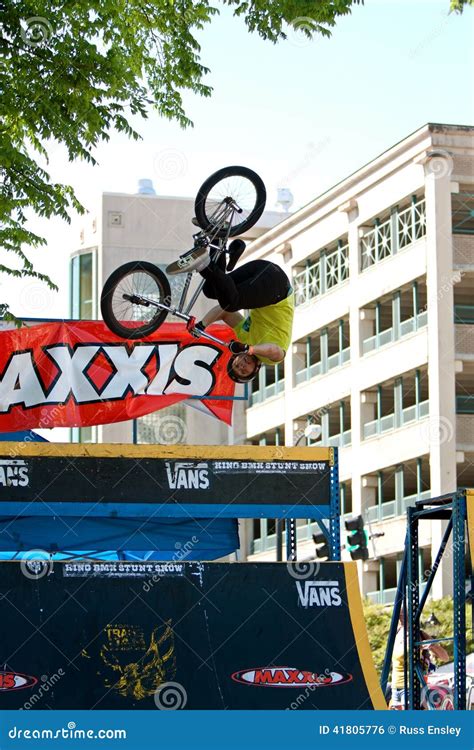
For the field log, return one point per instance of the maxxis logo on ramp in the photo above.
(288, 677)
(15, 680)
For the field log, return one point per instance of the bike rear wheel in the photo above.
(230, 186)
(124, 296)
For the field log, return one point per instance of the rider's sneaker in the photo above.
(195, 260)
(194, 221)
(235, 250)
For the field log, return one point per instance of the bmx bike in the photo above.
(136, 298)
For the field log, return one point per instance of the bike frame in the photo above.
(224, 214)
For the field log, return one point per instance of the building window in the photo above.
(325, 271)
(396, 231)
(462, 206)
(389, 492)
(322, 351)
(84, 434)
(82, 286)
(270, 382)
(272, 437)
(390, 318)
(395, 403)
(346, 498)
(165, 427)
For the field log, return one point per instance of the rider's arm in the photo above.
(435, 648)
(269, 351)
(217, 313)
(438, 651)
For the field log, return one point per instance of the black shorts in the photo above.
(258, 283)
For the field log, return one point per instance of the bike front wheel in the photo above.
(126, 300)
(231, 186)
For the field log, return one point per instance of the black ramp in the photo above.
(227, 636)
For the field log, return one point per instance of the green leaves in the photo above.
(72, 72)
(458, 5)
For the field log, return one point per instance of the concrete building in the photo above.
(155, 228)
(383, 342)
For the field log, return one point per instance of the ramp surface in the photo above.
(114, 635)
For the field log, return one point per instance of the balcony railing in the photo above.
(387, 596)
(318, 278)
(335, 360)
(389, 336)
(268, 392)
(393, 508)
(387, 423)
(402, 229)
(267, 542)
(340, 440)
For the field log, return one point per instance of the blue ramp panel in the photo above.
(113, 635)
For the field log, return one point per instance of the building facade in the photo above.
(383, 343)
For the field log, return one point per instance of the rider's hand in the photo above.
(195, 329)
(236, 347)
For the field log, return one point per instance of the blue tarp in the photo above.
(26, 436)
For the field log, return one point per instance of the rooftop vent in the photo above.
(145, 187)
(285, 199)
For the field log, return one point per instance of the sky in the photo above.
(303, 114)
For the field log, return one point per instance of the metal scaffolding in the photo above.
(453, 509)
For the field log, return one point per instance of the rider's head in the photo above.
(243, 367)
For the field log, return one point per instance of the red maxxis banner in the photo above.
(70, 374)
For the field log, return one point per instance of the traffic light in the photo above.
(322, 547)
(357, 538)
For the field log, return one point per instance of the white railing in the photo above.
(410, 500)
(308, 372)
(388, 336)
(387, 423)
(327, 272)
(307, 284)
(257, 397)
(387, 596)
(335, 360)
(380, 339)
(402, 229)
(370, 429)
(340, 440)
(393, 508)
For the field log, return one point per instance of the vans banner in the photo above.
(75, 374)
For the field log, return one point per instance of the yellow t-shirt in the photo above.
(272, 324)
(398, 661)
